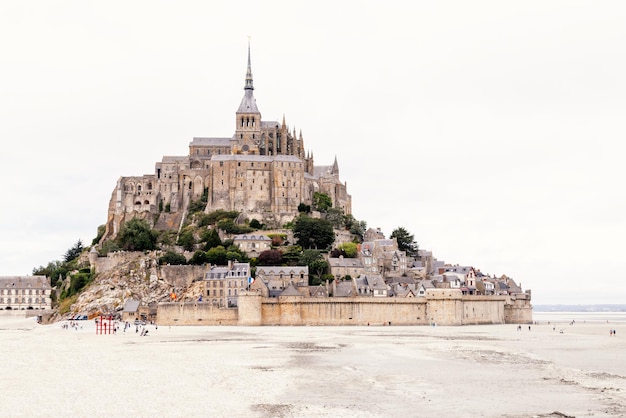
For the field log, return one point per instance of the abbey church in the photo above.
(263, 171)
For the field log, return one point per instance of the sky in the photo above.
(493, 131)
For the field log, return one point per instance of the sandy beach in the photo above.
(417, 371)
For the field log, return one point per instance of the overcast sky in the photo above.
(493, 131)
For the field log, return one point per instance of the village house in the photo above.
(370, 285)
(341, 267)
(253, 244)
(272, 281)
(224, 284)
(381, 256)
(25, 292)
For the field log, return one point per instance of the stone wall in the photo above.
(195, 313)
(440, 307)
(518, 310)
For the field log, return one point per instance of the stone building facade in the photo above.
(263, 171)
(25, 292)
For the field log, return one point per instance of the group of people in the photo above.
(611, 332)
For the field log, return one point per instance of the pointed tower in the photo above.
(335, 169)
(301, 146)
(248, 118)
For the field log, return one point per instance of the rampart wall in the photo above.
(195, 313)
(440, 307)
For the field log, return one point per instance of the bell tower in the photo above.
(248, 118)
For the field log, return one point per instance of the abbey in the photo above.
(263, 171)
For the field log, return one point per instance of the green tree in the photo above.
(355, 227)
(136, 235)
(349, 249)
(199, 258)
(56, 270)
(321, 202)
(172, 258)
(302, 207)
(186, 240)
(108, 246)
(316, 263)
(336, 217)
(99, 234)
(270, 258)
(211, 238)
(406, 241)
(256, 224)
(313, 233)
(291, 255)
(73, 252)
(217, 256)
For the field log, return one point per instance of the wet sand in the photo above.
(469, 371)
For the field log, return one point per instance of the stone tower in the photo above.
(248, 119)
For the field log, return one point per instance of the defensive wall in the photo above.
(440, 307)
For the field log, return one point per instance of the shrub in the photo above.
(172, 258)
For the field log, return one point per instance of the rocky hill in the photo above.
(131, 275)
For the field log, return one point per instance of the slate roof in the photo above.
(224, 142)
(251, 237)
(344, 289)
(25, 281)
(131, 305)
(255, 158)
(290, 290)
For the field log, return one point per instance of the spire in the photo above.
(335, 169)
(248, 103)
(249, 85)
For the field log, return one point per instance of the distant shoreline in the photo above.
(580, 308)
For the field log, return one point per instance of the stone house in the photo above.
(423, 286)
(273, 280)
(130, 311)
(253, 244)
(382, 256)
(341, 267)
(224, 284)
(370, 285)
(296, 274)
(25, 292)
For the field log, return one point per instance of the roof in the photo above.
(254, 157)
(224, 142)
(24, 281)
(276, 270)
(131, 305)
(344, 289)
(248, 103)
(290, 291)
(251, 237)
(270, 124)
(344, 262)
(238, 270)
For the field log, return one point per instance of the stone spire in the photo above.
(249, 85)
(335, 169)
(248, 103)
